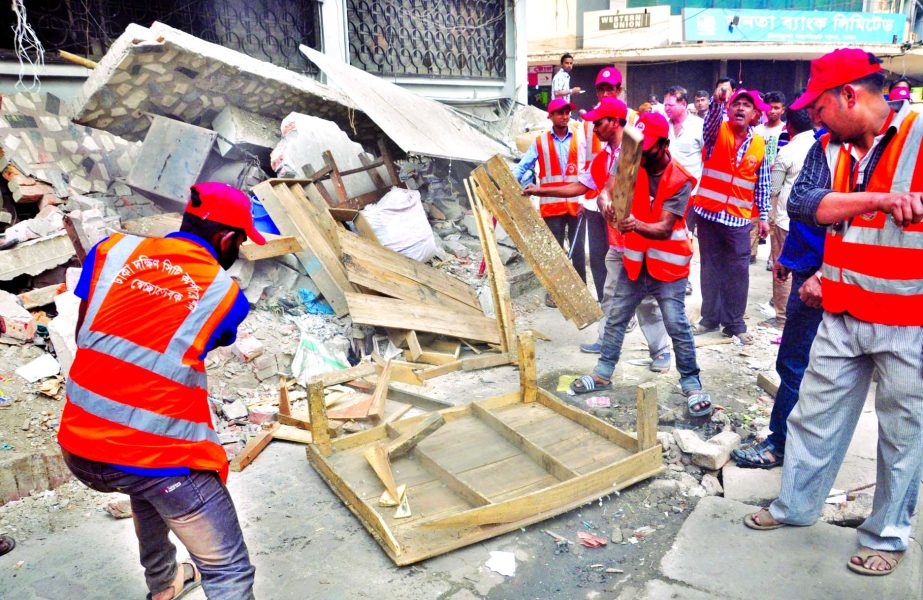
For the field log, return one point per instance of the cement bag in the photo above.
(400, 223)
(312, 358)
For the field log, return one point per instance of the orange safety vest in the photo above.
(550, 175)
(725, 185)
(873, 269)
(137, 391)
(669, 259)
(593, 144)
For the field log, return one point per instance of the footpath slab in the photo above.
(715, 553)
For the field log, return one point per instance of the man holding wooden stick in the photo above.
(657, 256)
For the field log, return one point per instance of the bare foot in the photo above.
(763, 518)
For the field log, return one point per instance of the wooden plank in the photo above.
(338, 186)
(499, 285)
(377, 456)
(363, 369)
(316, 206)
(319, 417)
(533, 239)
(542, 458)
(647, 415)
(435, 358)
(455, 484)
(613, 434)
(252, 449)
(318, 258)
(370, 165)
(403, 373)
(276, 245)
(486, 361)
(621, 188)
(401, 314)
(377, 407)
(527, 377)
(355, 411)
(372, 252)
(769, 382)
(389, 162)
(443, 369)
(413, 344)
(292, 434)
(285, 408)
(408, 440)
(570, 492)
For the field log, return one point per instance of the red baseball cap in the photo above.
(899, 93)
(835, 69)
(654, 126)
(607, 107)
(224, 204)
(609, 75)
(753, 95)
(558, 104)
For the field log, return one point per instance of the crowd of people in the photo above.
(832, 179)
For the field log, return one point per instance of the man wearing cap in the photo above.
(560, 156)
(609, 119)
(735, 184)
(137, 418)
(864, 181)
(658, 252)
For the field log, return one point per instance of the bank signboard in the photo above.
(748, 25)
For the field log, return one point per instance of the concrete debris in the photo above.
(712, 485)
(234, 410)
(62, 329)
(15, 321)
(48, 221)
(42, 367)
(716, 452)
(687, 440)
(242, 133)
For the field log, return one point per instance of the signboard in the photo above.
(540, 75)
(625, 21)
(742, 25)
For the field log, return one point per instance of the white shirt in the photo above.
(785, 170)
(560, 81)
(686, 146)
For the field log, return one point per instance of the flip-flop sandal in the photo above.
(892, 558)
(699, 397)
(755, 457)
(586, 384)
(182, 585)
(750, 522)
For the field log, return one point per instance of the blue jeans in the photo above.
(801, 322)
(671, 296)
(197, 508)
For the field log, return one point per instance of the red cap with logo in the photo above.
(754, 96)
(223, 204)
(558, 104)
(899, 93)
(607, 107)
(654, 126)
(835, 69)
(609, 75)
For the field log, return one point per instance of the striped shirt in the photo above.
(761, 194)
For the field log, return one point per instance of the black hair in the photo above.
(798, 121)
(875, 82)
(734, 83)
(205, 228)
(565, 57)
(897, 81)
(702, 94)
(678, 92)
(774, 96)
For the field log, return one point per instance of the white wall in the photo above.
(662, 29)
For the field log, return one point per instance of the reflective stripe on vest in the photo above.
(873, 268)
(675, 259)
(726, 185)
(550, 175)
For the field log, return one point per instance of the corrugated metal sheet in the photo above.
(417, 124)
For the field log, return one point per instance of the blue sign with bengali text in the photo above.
(747, 25)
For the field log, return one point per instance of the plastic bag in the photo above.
(400, 223)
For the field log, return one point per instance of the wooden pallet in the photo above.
(494, 466)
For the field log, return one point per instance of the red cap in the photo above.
(899, 93)
(558, 104)
(835, 69)
(754, 96)
(609, 75)
(654, 126)
(607, 107)
(224, 204)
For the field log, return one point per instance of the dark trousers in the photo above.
(576, 239)
(801, 324)
(597, 231)
(725, 274)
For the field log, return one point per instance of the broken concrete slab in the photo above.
(15, 321)
(716, 451)
(813, 559)
(164, 71)
(242, 133)
(35, 256)
(420, 126)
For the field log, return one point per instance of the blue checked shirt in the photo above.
(763, 190)
(525, 170)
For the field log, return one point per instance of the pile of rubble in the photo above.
(164, 110)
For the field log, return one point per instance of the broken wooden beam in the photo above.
(647, 415)
(253, 447)
(769, 382)
(409, 439)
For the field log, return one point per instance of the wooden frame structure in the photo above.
(369, 166)
(481, 469)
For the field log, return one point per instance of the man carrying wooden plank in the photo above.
(611, 118)
(657, 255)
(560, 157)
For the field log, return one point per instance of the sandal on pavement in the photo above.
(587, 384)
(753, 521)
(660, 363)
(700, 328)
(182, 584)
(702, 400)
(763, 455)
(891, 558)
